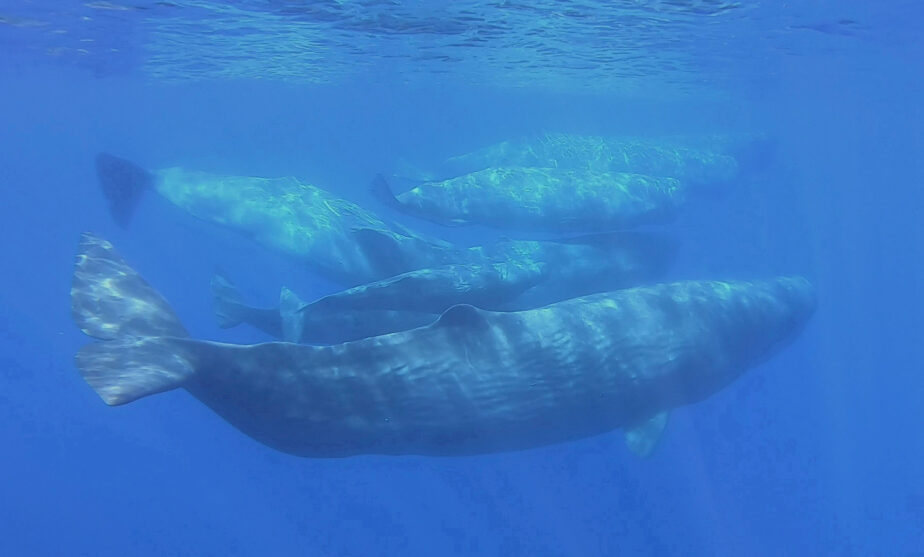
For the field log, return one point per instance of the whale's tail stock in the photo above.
(123, 183)
(141, 340)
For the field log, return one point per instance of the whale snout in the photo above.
(798, 296)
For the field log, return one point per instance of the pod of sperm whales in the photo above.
(527, 272)
(471, 382)
(696, 163)
(542, 199)
(334, 237)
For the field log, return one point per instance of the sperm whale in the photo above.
(471, 382)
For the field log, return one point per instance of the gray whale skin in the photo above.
(471, 382)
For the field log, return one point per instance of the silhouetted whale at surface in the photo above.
(471, 382)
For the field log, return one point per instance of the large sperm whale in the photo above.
(472, 382)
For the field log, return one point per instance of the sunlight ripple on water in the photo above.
(579, 44)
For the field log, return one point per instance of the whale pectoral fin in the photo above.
(383, 249)
(290, 313)
(643, 437)
(463, 316)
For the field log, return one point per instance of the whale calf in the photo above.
(526, 274)
(471, 382)
(541, 199)
(402, 302)
(398, 303)
(292, 322)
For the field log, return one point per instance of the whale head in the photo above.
(736, 326)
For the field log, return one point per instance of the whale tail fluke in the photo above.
(123, 183)
(383, 192)
(140, 334)
(126, 369)
(111, 300)
(227, 300)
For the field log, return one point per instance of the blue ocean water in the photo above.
(815, 452)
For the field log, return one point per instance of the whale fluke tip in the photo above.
(123, 183)
(109, 299)
(383, 192)
(130, 368)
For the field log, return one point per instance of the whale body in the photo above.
(471, 382)
(333, 236)
(541, 199)
(293, 321)
(398, 303)
(526, 274)
(698, 162)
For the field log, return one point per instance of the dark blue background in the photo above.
(816, 452)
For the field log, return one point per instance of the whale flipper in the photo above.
(643, 437)
(123, 183)
(290, 306)
(111, 301)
